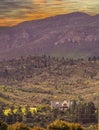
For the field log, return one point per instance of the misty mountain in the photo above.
(73, 35)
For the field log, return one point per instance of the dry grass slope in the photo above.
(39, 79)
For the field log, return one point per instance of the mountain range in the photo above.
(74, 35)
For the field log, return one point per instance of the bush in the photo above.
(3, 126)
(76, 127)
(38, 128)
(93, 127)
(58, 125)
(62, 125)
(18, 126)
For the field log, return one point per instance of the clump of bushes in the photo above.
(56, 125)
(62, 125)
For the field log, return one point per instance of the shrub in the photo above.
(3, 126)
(62, 125)
(38, 128)
(58, 125)
(18, 126)
(76, 127)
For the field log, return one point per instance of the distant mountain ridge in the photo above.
(72, 35)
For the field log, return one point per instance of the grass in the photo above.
(5, 101)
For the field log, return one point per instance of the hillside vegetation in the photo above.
(56, 125)
(36, 80)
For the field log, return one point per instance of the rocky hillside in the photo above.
(70, 35)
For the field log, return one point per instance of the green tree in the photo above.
(86, 112)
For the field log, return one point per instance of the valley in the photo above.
(37, 80)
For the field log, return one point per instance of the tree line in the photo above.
(24, 67)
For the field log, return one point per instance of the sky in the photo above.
(13, 12)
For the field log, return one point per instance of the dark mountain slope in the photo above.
(70, 35)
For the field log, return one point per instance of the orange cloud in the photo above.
(39, 1)
(9, 22)
(14, 12)
(29, 17)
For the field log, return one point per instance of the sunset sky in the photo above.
(15, 11)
